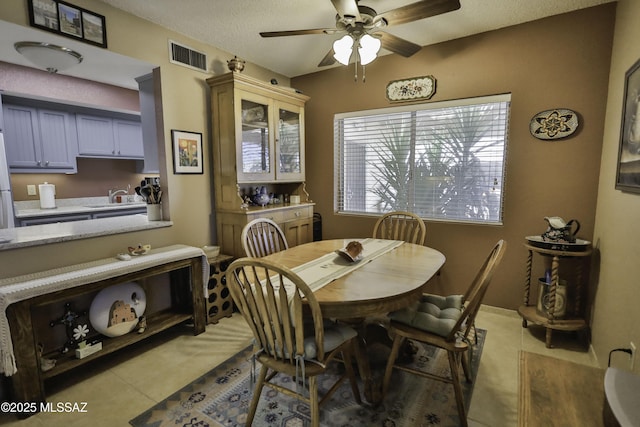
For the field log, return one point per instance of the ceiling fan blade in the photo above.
(298, 32)
(419, 10)
(397, 45)
(328, 59)
(347, 9)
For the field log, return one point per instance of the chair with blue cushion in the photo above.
(444, 322)
(291, 337)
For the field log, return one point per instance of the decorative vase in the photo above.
(235, 64)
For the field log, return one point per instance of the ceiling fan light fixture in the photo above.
(369, 48)
(342, 49)
(48, 56)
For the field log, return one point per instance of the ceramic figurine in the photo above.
(261, 197)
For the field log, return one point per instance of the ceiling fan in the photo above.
(358, 20)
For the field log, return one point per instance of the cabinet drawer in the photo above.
(298, 213)
(275, 216)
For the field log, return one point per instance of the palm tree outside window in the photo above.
(441, 160)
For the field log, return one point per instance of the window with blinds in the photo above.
(442, 160)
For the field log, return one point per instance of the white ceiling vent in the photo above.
(186, 56)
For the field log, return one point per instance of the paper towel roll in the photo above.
(47, 196)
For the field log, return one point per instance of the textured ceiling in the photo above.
(233, 25)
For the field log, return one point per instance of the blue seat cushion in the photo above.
(334, 336)
(433, 313)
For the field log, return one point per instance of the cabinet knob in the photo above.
(113, 151)
(46, 163)
(39, 163)
(297, 213)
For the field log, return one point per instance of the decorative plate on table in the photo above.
(578, 246)
(115, 310)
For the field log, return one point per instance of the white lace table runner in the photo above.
(324, 270)
(20, 288)
(321, 271)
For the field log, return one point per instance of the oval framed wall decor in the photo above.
(554, 124)
(416, 88)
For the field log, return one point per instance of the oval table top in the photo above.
(387, 283)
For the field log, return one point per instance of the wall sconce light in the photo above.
(368, 48)
(48, 56)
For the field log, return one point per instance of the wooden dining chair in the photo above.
(288, 341)
(447, 323)
(400, 225)
(262, 237)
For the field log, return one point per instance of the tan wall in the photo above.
(617, 232)
(551, 63)
(186, 107)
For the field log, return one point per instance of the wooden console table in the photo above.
(22, 298)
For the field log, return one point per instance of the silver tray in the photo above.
(579, 245)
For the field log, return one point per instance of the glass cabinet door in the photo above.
(289, 143)
(255, 149)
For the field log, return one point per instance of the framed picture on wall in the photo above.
(68, 20)
(628, 173)
(187, 152)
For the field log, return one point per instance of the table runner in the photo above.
(324, 270)
(327, 268)
(20, 288)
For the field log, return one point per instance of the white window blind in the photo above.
(441, 160)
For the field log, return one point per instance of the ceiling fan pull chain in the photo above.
(364, 78)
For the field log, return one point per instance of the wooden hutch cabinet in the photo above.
(258, 141)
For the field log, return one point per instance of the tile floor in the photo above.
(120, 388)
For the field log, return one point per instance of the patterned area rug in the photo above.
(221, 397)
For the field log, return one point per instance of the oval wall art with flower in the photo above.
(554, 124)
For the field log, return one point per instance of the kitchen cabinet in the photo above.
(122, 212)
(258, 131)
(296, 221)
(39, 140)
(149, 114)
(109, 137)
(270, 144)
(258, 140)
(79, 213)
(53, 219)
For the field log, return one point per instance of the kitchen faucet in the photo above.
(113, 193)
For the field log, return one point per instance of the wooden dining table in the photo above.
(386, 283)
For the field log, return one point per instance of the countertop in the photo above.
(31, 208)
(35, 235)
